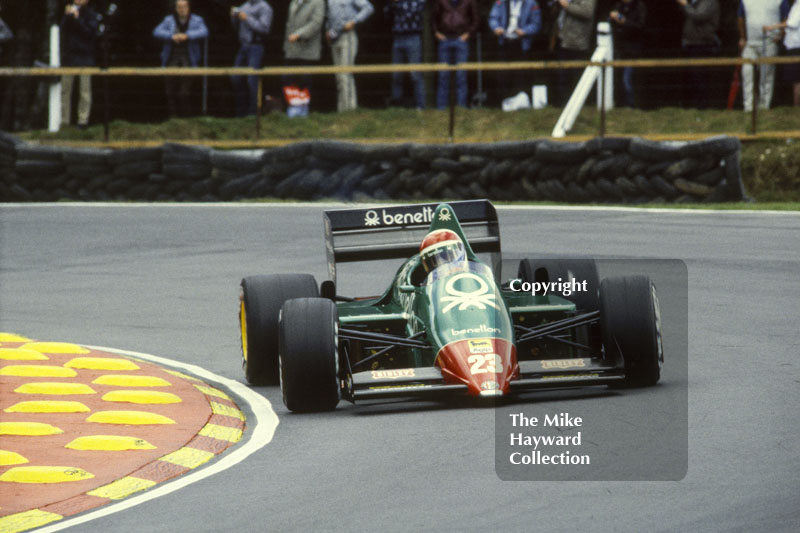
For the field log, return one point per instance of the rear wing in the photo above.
(396, 231)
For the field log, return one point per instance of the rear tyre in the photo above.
(631, 322)
(309, 355)
(550, 270)
(261, 299)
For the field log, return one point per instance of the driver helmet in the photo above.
(441, 247)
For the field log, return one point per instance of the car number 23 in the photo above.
(489, 363)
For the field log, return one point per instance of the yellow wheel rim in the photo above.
(243, 327)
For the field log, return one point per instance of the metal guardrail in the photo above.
(421, 67)
(389, 68)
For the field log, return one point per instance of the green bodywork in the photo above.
(461, 302)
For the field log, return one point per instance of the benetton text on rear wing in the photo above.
(396, 231)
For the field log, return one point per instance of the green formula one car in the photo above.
(446, 323)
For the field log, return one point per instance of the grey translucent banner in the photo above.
(607, 433)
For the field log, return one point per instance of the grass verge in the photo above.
(411, 125)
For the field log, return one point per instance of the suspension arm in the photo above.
(558, 326)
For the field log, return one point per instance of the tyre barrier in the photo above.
(601, 170)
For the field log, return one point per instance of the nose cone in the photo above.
(485, 365)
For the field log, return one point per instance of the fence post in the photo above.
(452, 98)
(54, 106)
(601, 92)
(590, 75)
(106, 93)
(205, 78)
(259, 97)
(606, 40)
(756, 77)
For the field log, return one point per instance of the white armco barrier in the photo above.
(54, 107)
(603, 52)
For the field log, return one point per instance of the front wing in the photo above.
(544, 374)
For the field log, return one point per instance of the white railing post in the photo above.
(605, 40)
(54, 107)
(591, 75)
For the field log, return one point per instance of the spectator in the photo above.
(303, 44)
(182, 33)
(627, 22)
(786, 5)
(78, 38)
(699, 39)
(791, 41)
(515, 22)
(576, 27)
(5, 36)
(454, 22)
(5, 32)
(753, 17)
(405, 17)
(343, 15)
(252, 21)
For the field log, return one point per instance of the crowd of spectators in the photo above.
(566, 27)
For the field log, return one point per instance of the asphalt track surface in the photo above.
(164, 280)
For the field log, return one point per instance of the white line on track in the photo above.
(261, 433)
(345, 205)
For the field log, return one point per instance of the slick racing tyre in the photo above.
(550, 270)
(309, 355)
(261, 299)
(631, 322)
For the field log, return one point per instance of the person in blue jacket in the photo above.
(252, 22)
(514, 23)
(183, 33)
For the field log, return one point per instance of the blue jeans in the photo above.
(246, 87)
(628, 89)
(452, 51)
(408, 49)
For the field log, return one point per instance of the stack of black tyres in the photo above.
(131, 171)
(186, 172)
(602, 170)
(9, 186)
(90, 175)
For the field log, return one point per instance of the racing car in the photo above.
(446, 323)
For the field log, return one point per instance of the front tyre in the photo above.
(631, 323)
(260, 302)
(309, 355)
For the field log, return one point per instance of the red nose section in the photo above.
(485, 366)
